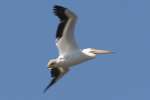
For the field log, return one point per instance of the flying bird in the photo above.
(69, 52)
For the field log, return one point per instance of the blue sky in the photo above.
(27, 31)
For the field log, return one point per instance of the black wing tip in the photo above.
(45, 90)
(59, 10)
(49, 85)
(55, 73)
(59, 7)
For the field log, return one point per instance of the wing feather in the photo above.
(56, 74)
(65, 40)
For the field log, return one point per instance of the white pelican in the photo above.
(69, 52)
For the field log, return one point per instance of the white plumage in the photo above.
(69, 52)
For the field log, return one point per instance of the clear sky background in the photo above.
(27, 41)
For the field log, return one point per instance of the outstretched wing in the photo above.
(64, 35)
(56, 74)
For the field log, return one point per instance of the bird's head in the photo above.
(52, 63)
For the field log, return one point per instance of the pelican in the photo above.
(69, 52)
